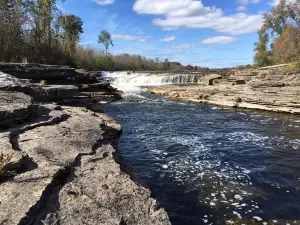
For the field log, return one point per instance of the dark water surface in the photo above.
(208, 165)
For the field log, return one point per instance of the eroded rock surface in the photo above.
(15, 107)
(271, 90)
(60, 92)
(77, 179)
(65, 168)
(11, 83)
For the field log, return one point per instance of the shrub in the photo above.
(4, 160)
(42, 83)
(293, 67)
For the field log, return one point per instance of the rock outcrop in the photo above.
(65, 167)
(265, 89)
(15, 107)
(11, 83)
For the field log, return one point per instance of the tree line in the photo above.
(37, 31)
(279, 36)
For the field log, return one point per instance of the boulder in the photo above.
(15, 107)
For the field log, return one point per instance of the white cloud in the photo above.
(175, 14)
(104, 2)
(128, 37)
(245, 2)
(224, 40)
(171, 38)
(241, 8)
(182, 46)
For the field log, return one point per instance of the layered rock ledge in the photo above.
(65, 167)
(270, 89)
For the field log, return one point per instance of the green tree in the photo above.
(280, 22)
(72, 28)
(105, 39)
(166, 64)
(262, 55)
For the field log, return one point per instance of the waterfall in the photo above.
(133, 81)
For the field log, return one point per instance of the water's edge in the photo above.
(234, 103)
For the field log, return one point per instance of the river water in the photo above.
(212, 165)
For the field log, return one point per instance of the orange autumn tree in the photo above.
(282, 24)
(286, 48)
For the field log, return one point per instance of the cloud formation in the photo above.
(246, 2)
(182, 46)
(128, 37)
(175, 14)
(224, 40)
(104, 2)
(171, 38)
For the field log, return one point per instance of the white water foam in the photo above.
(221, 184)
(134, 81)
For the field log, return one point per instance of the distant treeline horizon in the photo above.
(36, 31)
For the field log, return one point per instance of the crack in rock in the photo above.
(39, 211)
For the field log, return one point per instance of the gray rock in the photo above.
(15, 107)
(103, 96)
(11, 83)
(37, 71)
(40, 72)
(78, 178)
(59, 92)
(84, 75)
(95, 86)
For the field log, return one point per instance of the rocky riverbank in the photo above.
(271, 89)
(65, 167)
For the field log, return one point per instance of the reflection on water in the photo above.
(210, 165)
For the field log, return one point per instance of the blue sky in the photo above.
(214, 33)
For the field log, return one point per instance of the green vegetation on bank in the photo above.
(280, 30)
(36, 31)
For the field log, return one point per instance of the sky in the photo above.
(213, 33)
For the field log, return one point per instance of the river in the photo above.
(212, 165)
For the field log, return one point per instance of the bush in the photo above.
(4, 160)
(42, 83)
(293, 67)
